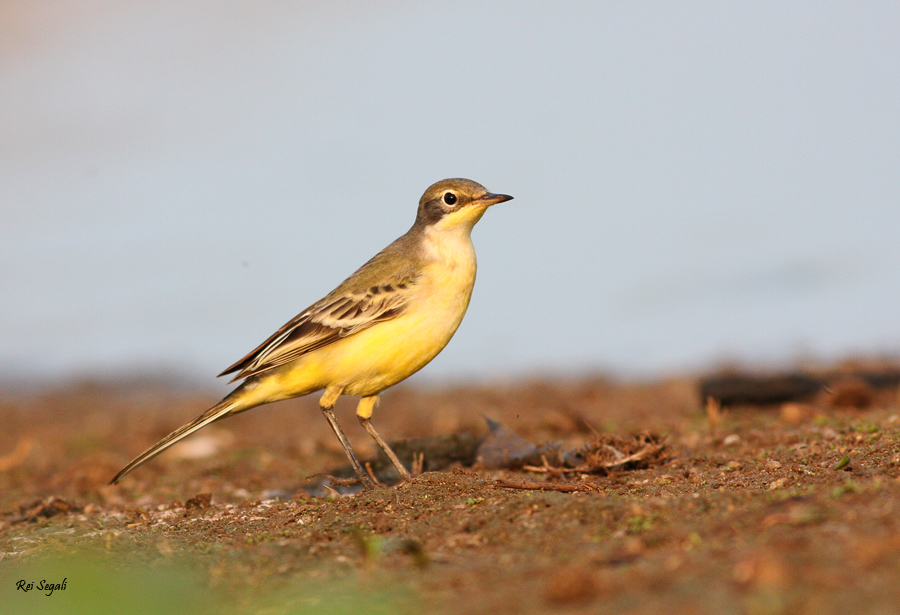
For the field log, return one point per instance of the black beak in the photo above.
(493, 199)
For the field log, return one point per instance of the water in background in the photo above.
(693, 183)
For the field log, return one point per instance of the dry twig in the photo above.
(543, 486)
(373, 477)
(713, 414)
(418, 463)
(334, 480)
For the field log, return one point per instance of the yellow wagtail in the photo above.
(381, 325)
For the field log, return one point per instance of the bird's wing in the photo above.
(335, 317)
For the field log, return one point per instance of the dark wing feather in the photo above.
(335, 317)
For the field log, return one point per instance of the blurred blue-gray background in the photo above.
(694, 182)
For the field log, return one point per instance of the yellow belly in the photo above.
(370, 361)
(389, 352)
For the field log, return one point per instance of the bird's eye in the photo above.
(449, 198)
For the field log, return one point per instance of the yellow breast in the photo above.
(368, 362)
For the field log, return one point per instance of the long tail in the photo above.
(227, 406)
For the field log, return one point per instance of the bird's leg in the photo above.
(404, 473)
(327, 405)
(364, 413)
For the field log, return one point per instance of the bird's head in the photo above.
(455, 203)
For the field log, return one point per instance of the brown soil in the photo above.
(759, 510)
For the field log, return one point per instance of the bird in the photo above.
(382, 324)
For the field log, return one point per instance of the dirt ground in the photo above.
(787, 508)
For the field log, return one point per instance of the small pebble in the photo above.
(794, 413)
(731, 440)
(777, 484)
(851, 393)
